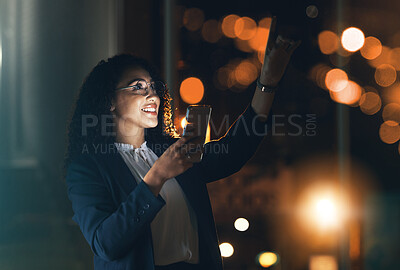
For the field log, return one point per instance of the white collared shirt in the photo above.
(174, 229)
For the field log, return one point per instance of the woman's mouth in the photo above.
(150, 110)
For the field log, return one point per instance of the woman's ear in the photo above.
(112, 108)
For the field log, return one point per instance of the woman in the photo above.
(139, 200)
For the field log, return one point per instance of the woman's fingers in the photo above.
(271, 36)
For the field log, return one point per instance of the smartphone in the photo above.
(197, 116)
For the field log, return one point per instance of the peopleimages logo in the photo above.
(277, 125)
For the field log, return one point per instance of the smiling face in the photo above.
(134, 112)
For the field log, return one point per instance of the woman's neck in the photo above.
(133, 137)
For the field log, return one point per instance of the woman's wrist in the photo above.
(154, 180)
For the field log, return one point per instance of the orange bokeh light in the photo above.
(259, 41)
(370, 103)
(383, 58)
(350, 95)
(394, 56)
(385, 75)
(389, 132)
(318, 74)
(328, 42)
(193, 19)
(336, 80)
(352, 39)
(243, 45)
(228, 25)
(211, 31)
(391, 112)
(191, 90)
(245, 28)
(391, 94)
(246, 73)
(372, 48)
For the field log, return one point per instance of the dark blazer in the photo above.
(114, 212)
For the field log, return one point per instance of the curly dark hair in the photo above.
(94, 101)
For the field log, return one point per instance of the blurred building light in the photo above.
(211, 31)
(370, 103)
(372, 48)
(241, 224)
(228, 25)
(267, 259)
(328, 42)
(336, 80)
(312, 11)
(385, 75)
(192, 90)
(389, 132)
(226, 249)
(350, 95)
(352, 39)
(193, 19)
(323, 262)
(245, 28)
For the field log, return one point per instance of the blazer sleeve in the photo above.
(228, 154)
(110, 230)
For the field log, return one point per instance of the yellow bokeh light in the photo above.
(352, 39)
(385, 75)
(350, 95)
(191, 90)
(336, 80)
(226, 249)
(211, 31)
(389, 132)
(228, 25)
(328, 42)
(193, 19)
(267, 259)
(391, 112)
(241, 224)
(372, 48)
(323, 262)
(245, 28)
(370, 103)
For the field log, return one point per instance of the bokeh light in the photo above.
(352, 39)
(193, 19)
(385, 75)
(394, 56)
(245, 28)
(226, 249)
(260, 39)
(372, 48)
(228, 25)
(391, 94)
(246, 73)
(312, 11)
(328, 42)
(383, 58)
(191, 90)
(211, 31)
(336, 80)
(184, 122)
(389, 132)
(241, 224)
(243, 45)
(370, 103)
(267, 259)
(391, 112)
(350, 95)
(318, 74)
(323, 262)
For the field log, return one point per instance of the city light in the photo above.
(336, 80)
(226, 249)
(328, 42)
(241, 224)
(385, 75)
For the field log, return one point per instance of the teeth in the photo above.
(149, 109)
